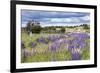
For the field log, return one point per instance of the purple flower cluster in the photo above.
(53, 38)
(42, 40)
(77, 44)
(55, 46)
(80, 36)
(75, 56)
(74, 45)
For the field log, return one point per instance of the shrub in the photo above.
(63, 30)
(85, 26)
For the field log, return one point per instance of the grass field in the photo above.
(54, 47)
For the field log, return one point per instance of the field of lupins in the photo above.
(55, 47)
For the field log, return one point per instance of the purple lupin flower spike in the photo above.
(75, 56)
(42, 40)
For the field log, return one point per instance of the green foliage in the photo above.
(45, 57)
(85, 26)
(85, 55)
(36, 29)
(39, 58)
(60, 56)
(33, 27)
(86, 52)
(63, 30)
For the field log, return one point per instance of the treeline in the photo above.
(35, 27)
(86, 26)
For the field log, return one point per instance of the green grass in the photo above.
(86, 52)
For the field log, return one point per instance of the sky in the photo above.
(55, 18)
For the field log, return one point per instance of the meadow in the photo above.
(48, 47)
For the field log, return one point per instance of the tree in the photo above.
(29, 28)
(33, 27)
(63, 30)
(85, 26)
(36, 29)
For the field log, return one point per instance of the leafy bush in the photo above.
(85, 26)
(36, 29)
(63, 30)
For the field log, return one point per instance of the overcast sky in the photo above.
(55, 18)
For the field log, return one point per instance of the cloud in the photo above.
(85, 18)
(51, 14)
(24, 24)
(74, 20)
(54, 17)
(60, 20)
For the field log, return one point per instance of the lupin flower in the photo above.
(75, 56)
(32, 44)
(42, 40)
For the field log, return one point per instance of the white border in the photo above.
(20, 65)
